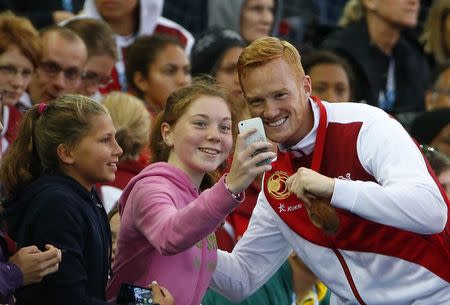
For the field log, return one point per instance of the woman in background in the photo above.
(20, 51)
(155, 67)
(436, 33)
(331, 76)
(132, 122)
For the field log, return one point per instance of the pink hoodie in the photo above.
(167, 234)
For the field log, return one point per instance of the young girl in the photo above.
(171, 208)
(63, 148)
(155, 67)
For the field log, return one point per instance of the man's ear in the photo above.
(140, 81)
(307, 87)
(65, 154)
(166, 133)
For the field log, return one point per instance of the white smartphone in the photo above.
(258, 136)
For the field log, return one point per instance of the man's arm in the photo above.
(256, 257)
(404, 194)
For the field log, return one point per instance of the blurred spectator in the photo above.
(331, 76)
(156, 66)
(439, 94)
(306, 23)
(307, 287)
(20, 50)
(48, 12)
(216, 53)
(322, 12)
(132, 123)
(130, 19)
(433, 128)
(102, 54)
(390, 71)
(436, 33)
(250, 18)
(440, 163)
(59, 72)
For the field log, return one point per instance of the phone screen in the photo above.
(131, 294)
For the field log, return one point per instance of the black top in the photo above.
(57, 210)
(41, 12)
(412, 76)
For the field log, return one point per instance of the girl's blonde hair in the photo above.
(131, 120)
(65, 120)
(433, 35)
(353, 11)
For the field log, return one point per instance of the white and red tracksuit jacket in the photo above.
(392, 246)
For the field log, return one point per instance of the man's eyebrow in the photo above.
(274, 92)
(250, 98)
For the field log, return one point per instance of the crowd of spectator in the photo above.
(121, 161)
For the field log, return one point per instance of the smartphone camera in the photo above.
(134, 295)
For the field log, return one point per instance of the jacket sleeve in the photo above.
(404, 195)
(255, 258)
(11, 278)
(59, 222)
(170, 229)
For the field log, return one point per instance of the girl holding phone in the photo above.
(171, 209)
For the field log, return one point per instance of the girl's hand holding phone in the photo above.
(252, 156)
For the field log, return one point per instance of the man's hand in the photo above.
(308, 184)
(315, 190)
(36, 264)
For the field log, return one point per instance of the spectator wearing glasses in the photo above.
(102, 54)
(20, 50)
(64, 55)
